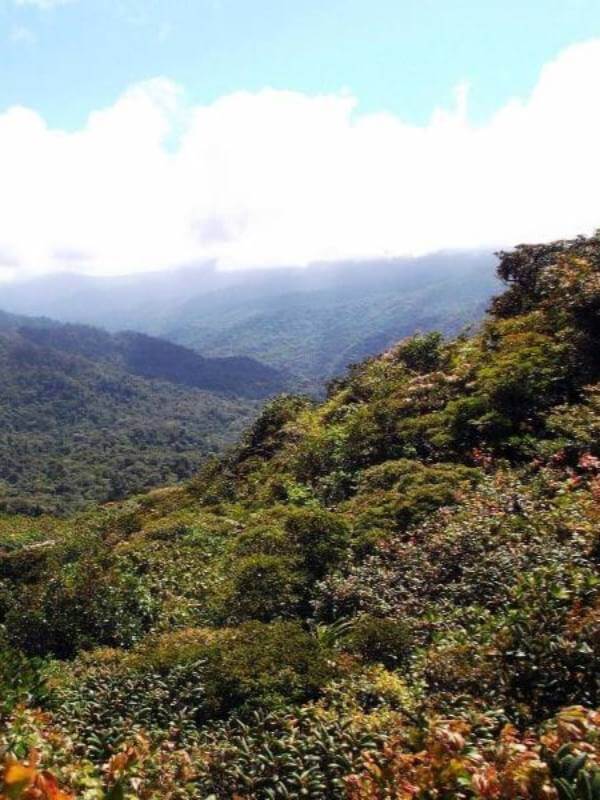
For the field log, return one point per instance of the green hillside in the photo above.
(88, 417)
(390, 595)
(151, 357)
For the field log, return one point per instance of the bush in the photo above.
(388, 641)
(279, 756)
(319, 537)
(421, 353)
(254, 664)
(22, 680)
(266, 435)
(258, 665)
(483, 757)
(262, 587)
(400, 493)
(106, 704)
(78, 607)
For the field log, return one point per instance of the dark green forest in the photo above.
(150, 357)
(88, 417)
(392, 594)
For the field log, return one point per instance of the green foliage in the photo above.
(21, 679)
(275, 755)
(76, 430)
(257, 665)
(421, 353)
(103, 705)
(401, 561)
(263, 587)
(318, 537)
(267, 433)
(398, 493)
(381, 639)
(83, 605)
(272, 569)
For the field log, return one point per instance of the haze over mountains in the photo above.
(308, 322)
(299, 400)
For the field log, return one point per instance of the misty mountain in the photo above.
(310, 322)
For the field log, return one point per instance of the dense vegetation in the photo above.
(390, 595)
(309, 322)
(149, 357)
(86, 416)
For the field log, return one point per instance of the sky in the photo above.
(148, 134)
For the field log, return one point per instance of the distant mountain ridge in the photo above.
(310, 322)
(154, 358)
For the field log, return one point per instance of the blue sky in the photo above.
(147, 134)
(403, 56)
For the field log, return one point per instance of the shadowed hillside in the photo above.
(150, 357)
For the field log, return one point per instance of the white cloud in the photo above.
(284, 178)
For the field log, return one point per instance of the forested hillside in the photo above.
(393, 594)
(88, 416)
(150, 357)
(310, 322)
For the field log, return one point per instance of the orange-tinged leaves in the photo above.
(17, 778)
(25, 782)
(48, 785)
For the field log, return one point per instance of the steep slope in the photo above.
(311, 322)
(86, 416)
(393, 594)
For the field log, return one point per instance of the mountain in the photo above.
(392, 593)
(151, 357)
(88, 416)
(310, 322)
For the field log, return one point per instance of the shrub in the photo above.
(483, 757)
(78, 607)
(106, 704)
(170, 683)
(421, 353)
(258, 665)
(388, 641)
(262, 587)
(399, 493)
(261, 539)
(301, 753)
(22, 680)
(266, 435)
(320, 539)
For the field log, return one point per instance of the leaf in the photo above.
(17, 778)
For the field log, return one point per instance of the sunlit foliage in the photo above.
(393, 594)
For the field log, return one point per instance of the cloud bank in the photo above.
(276, 178)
